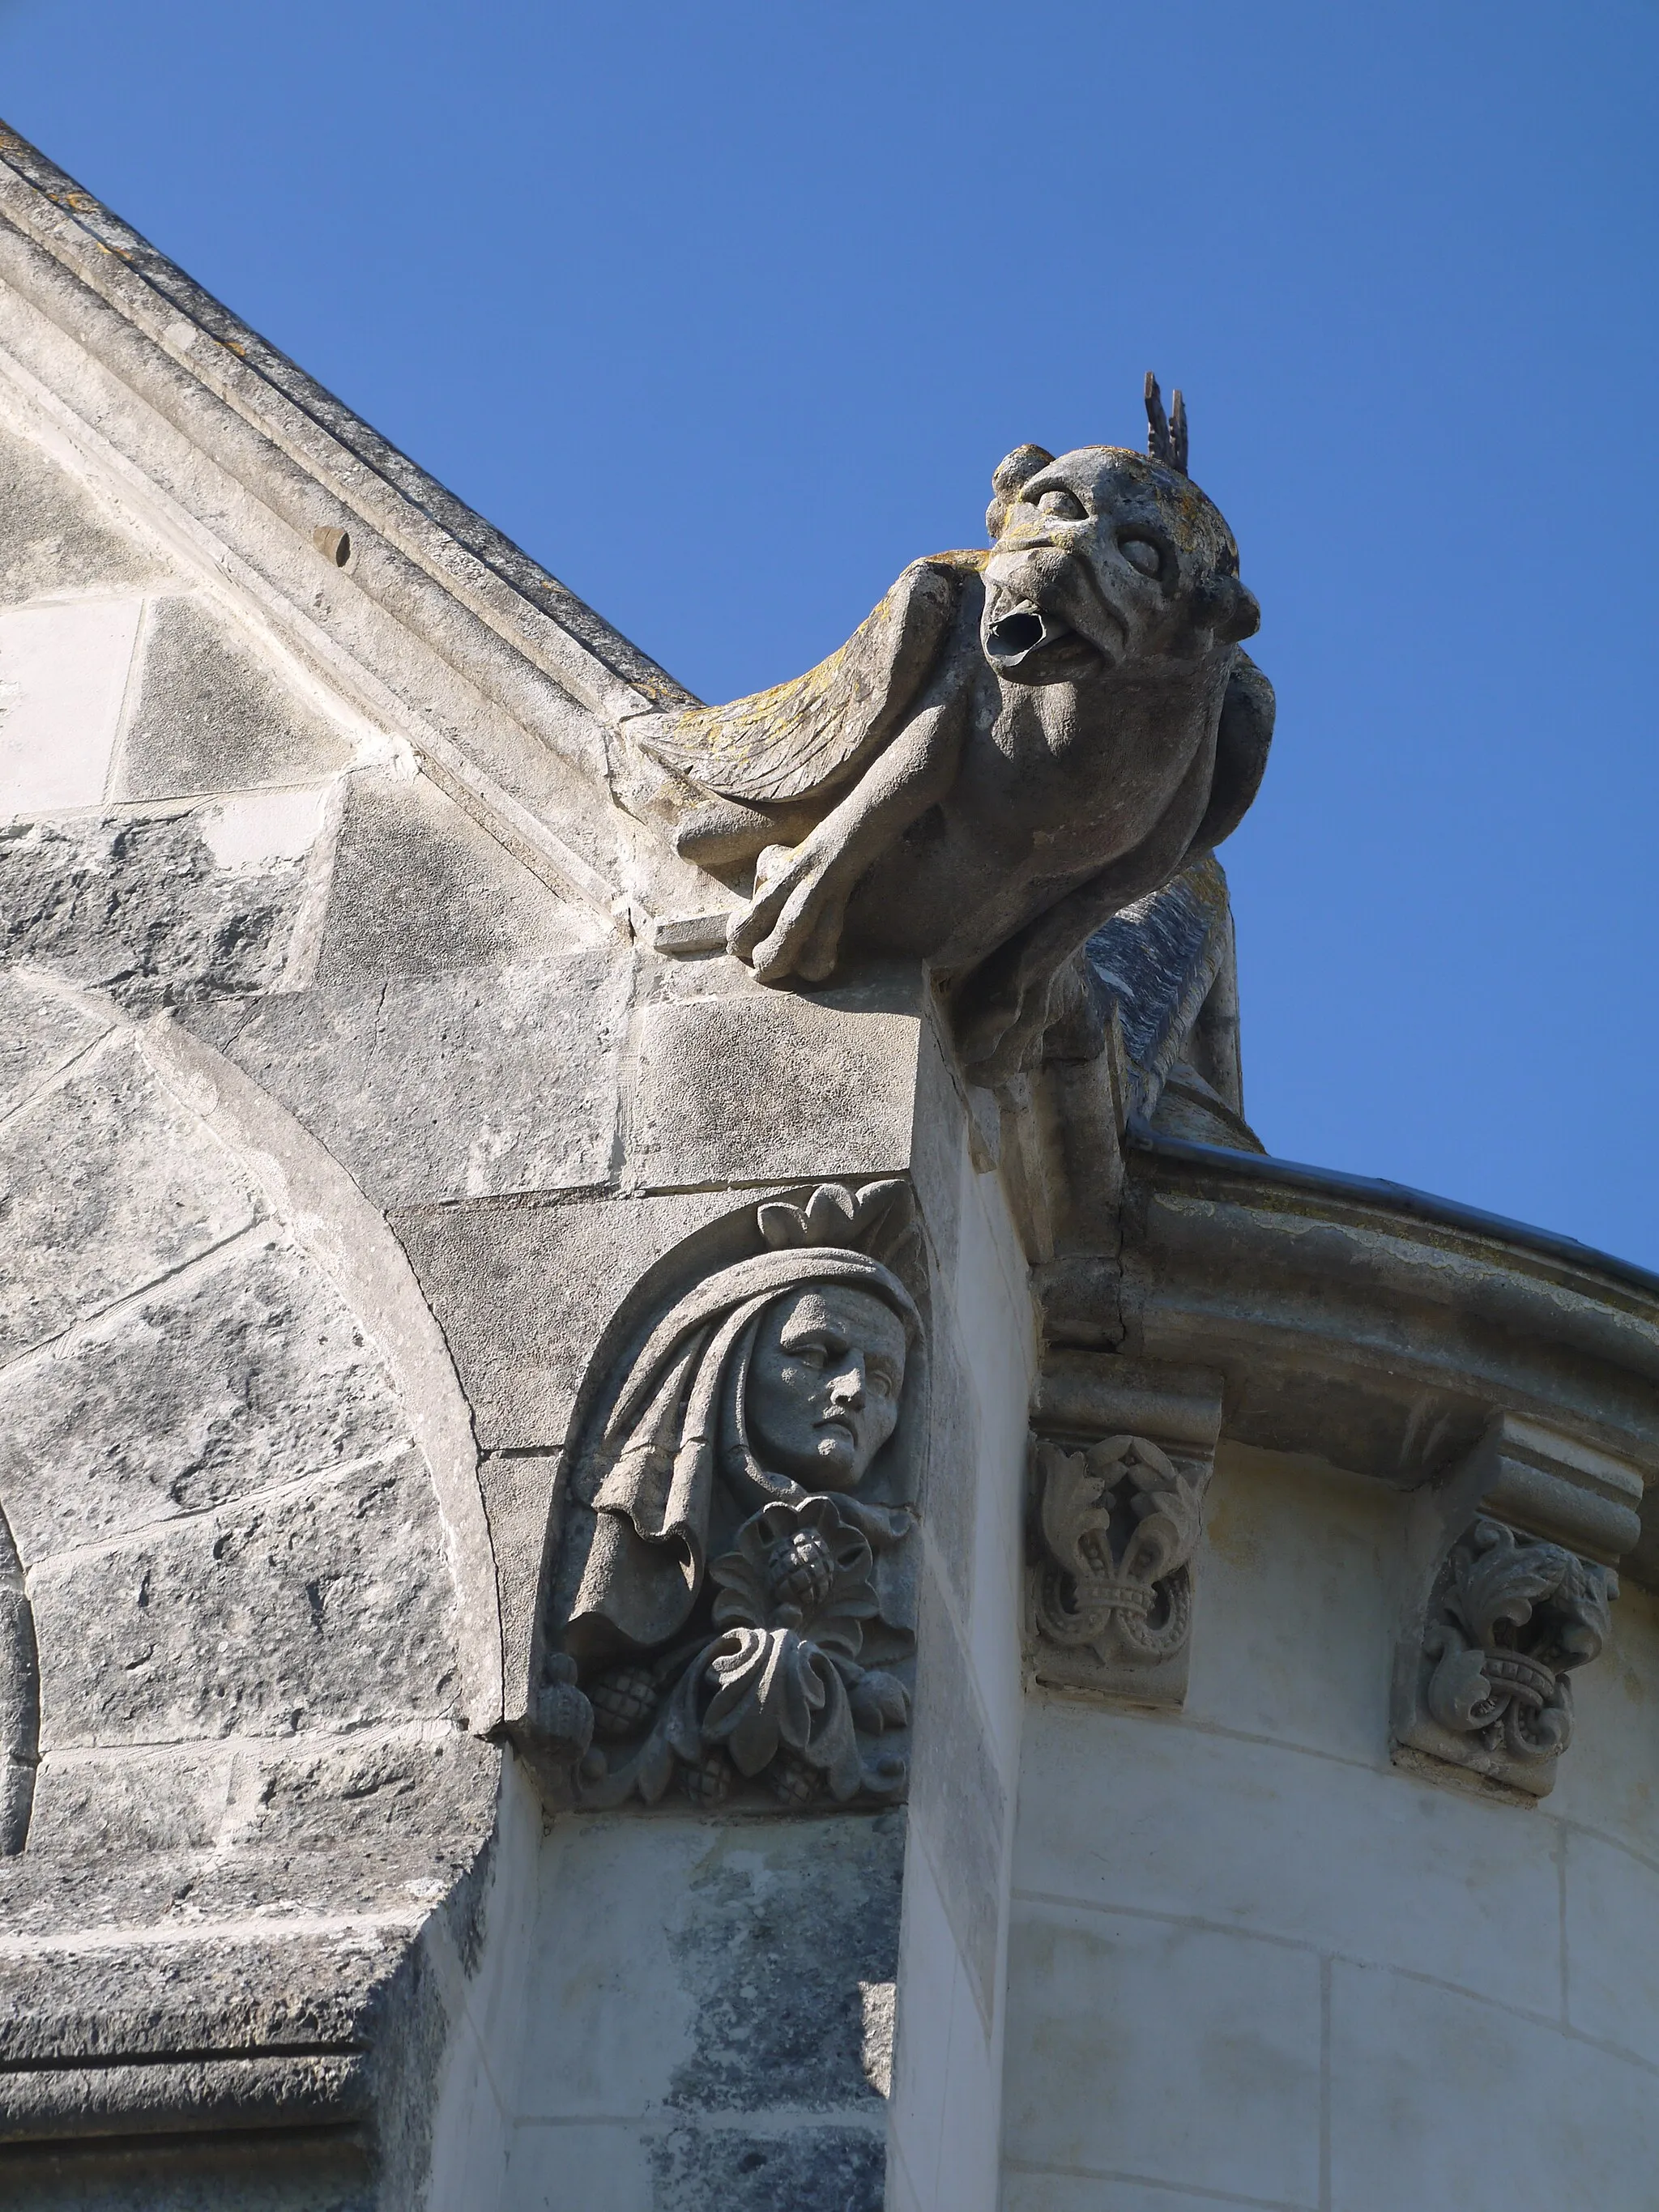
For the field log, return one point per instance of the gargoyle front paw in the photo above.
(792, 926)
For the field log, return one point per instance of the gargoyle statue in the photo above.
(1013, 747)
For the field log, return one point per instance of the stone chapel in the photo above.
(687, 1522)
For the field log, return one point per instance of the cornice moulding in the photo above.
(1383, 1330)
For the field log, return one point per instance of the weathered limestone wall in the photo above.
(233, 1452)
(338, 1141)
(704, 2013)
(1255, 1963)
(671, 2009)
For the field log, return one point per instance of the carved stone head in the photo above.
(727, 1598)
(1104, 559)
(777, 1378)
(824, 1383)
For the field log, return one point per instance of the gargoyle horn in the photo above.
(1166, 435)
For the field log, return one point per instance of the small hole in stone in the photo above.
(334, 545)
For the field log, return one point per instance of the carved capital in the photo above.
(1517, 1601)
(1122, 1454)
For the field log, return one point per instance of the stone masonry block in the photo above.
(360, 1831)
(246, 1990)
(469, 1084)
(329, 1605)
(209, 716)
(772, 1087)
(754, 1960)
(134, 1889)
(90, 1810)
(418, 887)
(64, 669)
(108, 1184)
(523, 1296)
(40, 1033)
(246, 1373)
(348, 1795)
(143, 909)
(1114, 2010)
(54, 536)
(775, 1941)
(333, 1823)
(958, 1799)
(1438, 2099)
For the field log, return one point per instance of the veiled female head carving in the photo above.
(775, 1378)
(732, 1486)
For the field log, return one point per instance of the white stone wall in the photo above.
(947, 2085)
(654, 1985)
(1253, 1963)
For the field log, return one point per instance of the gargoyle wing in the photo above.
(804, 737)
(1241, 753)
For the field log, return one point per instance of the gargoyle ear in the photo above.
(1242, 736)
(1006, 479)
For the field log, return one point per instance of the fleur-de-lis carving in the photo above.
(1119, 1524)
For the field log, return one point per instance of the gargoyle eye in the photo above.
(1141, 553)
(1058, 501)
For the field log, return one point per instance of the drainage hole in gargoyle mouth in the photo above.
(1017, 633)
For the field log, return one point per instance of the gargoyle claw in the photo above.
(792, 926)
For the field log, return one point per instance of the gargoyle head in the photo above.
(1107, 557)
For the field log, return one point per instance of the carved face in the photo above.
(1106, 559)
(825, 1384)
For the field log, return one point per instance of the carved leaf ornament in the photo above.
(1119, 1525)
(1513, 1619)
(794, 1597)
(832, 1216)
(779, 1692)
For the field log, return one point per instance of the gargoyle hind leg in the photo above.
(792, 924)
(1003, 1009)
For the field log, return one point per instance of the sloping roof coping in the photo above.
(106, 233)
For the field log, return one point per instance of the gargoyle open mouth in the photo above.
(1012, 636)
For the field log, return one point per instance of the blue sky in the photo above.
(726, 313)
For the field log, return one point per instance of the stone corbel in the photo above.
(1529, 1532)
(1122, 1454)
